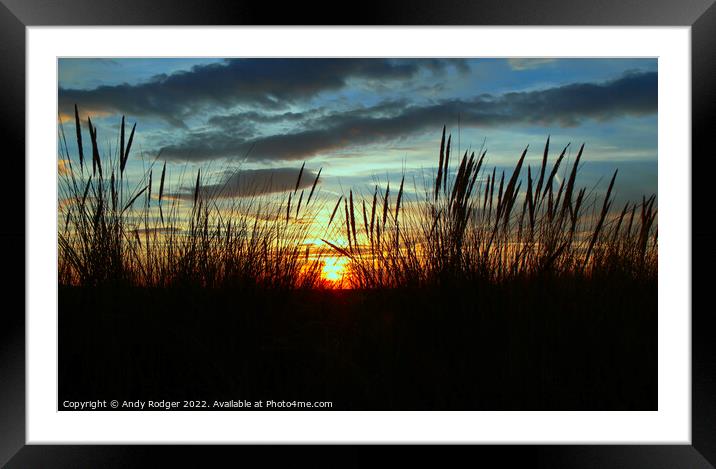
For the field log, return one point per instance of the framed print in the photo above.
(472, 228)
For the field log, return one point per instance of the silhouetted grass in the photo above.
(475, 226)
(120, 232)
(489, 291)
(472, 225)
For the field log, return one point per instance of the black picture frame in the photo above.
(16, 15)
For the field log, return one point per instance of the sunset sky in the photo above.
(368, 120)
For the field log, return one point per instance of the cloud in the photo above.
(253, 182)
(266, 83)
(633, 94)
(529, 63)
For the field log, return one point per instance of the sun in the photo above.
(334, 268)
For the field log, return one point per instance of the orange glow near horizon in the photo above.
(334, 269)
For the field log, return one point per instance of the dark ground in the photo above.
(544, 345)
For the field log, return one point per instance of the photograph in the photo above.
(357, 233)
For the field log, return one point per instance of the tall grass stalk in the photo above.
(471, 228)
(112, 233)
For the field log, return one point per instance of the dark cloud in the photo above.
(634, 94)
(268, 83)
(253, 182)
(319, 117)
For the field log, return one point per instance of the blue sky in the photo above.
(367, 119)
